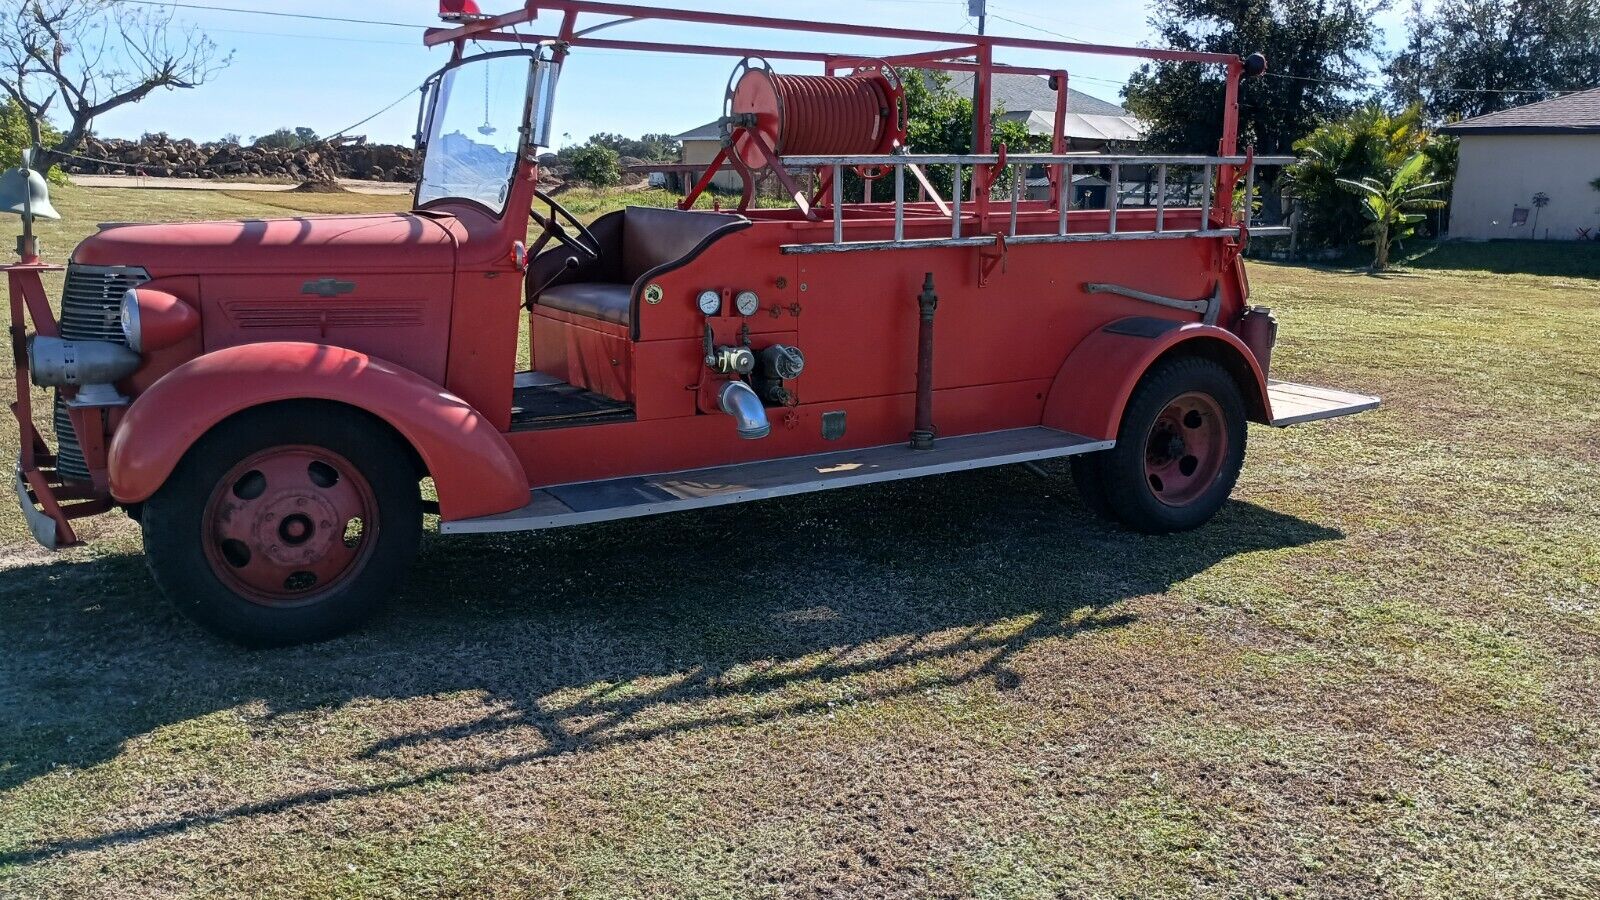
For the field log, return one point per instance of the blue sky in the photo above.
(326, 75)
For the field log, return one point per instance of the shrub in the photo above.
(594, 163)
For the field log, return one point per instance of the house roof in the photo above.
(1029, 99)
(711, 131)
(1577, 113)
(1013, 93)
(1025, 98)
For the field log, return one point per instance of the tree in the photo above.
(651, 147)
(1392, 206)
(1369, 143)
(594, 163)
(93, 56)
(1465, 58)
(1314, 48)
(286, 139)
(15, 137)
(939, 121)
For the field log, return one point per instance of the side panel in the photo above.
(473, 468)
(1093, 386)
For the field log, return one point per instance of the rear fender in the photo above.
(473, 468)
(1093, 386)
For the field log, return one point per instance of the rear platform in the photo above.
(1295, 403)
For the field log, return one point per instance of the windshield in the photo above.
(475, 129)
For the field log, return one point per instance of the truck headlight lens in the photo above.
(130, 320)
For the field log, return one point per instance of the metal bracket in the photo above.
(1209, 308)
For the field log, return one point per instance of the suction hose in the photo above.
(738, 400)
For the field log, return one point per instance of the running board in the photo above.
(1295, 403)
(622, 498)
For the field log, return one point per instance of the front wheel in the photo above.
(1178, 453)
(285, 524)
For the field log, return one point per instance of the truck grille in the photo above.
(91, 305)
(91, 310)
(69, 455)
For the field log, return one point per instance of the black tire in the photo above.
(175, 520)
(1116, 483)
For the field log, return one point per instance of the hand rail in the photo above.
(1017, 165)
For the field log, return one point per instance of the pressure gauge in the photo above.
(710, 302)
(747, 303)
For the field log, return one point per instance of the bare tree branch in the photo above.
(94, 55)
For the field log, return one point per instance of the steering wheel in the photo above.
(585, 243)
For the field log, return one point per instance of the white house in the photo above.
(1530, 172)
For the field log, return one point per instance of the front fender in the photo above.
(1094, 383)
(473, 468)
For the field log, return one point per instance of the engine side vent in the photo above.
(91, 305)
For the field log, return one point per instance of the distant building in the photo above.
(1092, 123)
(1527, 172)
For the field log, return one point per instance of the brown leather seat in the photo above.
(636, 244)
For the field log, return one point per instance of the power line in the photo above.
(1037, 28)
(265, 12)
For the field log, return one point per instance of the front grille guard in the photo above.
(49, 500)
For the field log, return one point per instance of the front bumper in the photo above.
(42, 526)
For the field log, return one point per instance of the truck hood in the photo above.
(381, 242)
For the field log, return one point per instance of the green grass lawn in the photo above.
(1377, 673)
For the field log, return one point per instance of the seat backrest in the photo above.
(653, 237)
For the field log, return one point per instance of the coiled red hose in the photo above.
(830, 115)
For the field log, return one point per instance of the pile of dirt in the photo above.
(162, 156)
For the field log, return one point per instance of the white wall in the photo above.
(1501, 171)
(702, 153)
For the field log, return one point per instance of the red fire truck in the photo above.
(266, 397)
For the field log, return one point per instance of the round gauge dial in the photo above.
(747, 303)
(710, 302)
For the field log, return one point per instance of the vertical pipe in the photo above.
(955, 195)
(1249, 195)
(899, 202)
(1229, 145)
(1018, 176)
(1205, 199)
(1058, 137)
(1116, 196)
(1064, 199)
(1161, 197)
(838, 204)
(922, 429)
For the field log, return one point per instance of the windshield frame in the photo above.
(429, 109)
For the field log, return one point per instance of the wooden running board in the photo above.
(621, 498)
(1295, 403)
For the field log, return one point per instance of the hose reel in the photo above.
(859, 113)
(768, 115)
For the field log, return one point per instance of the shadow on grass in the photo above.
(610, 634)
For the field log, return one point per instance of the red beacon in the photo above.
(265, 397)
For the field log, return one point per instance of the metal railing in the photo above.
(1016, 166)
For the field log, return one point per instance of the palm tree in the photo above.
(1392, 208)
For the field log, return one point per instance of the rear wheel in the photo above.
(285, 524)
(1179, 450)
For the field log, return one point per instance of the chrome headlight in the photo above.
(130, 320)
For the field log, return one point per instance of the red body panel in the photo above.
(472, 467)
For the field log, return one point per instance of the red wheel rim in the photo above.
(1185, 450)
(290, 524)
